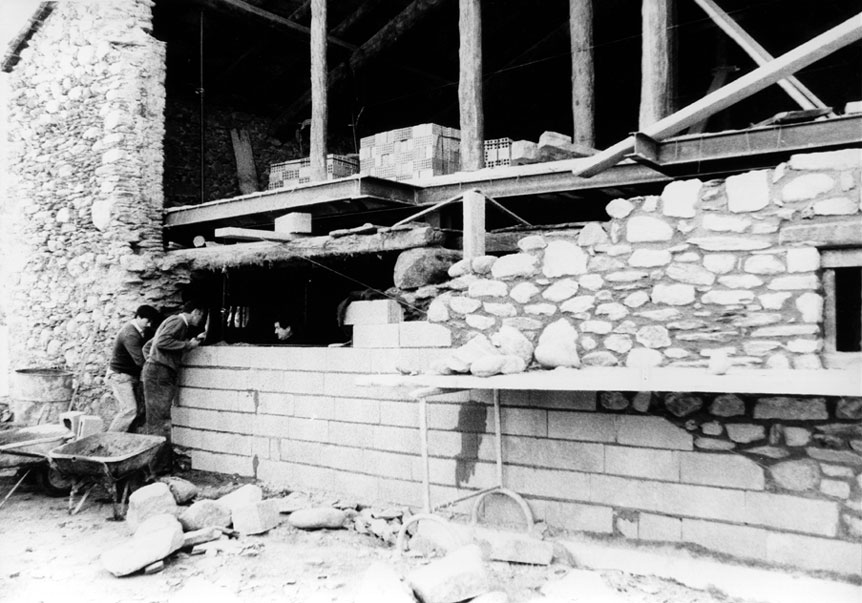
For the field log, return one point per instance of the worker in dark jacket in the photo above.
(124, 370)
(161, 370)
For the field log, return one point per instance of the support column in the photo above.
(474, 224)
(470, 85)
(583, 89)
(656, 69)
(319, 109)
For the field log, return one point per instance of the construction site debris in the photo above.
(183, 490)
(244, 495)
(195, 537)
(461, 575)
(155, 539)
(204, 514)
(256, 518)
(151, 500)
(317, 518)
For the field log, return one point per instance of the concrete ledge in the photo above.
(769, 586)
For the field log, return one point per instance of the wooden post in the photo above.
(319, 75)
(655, 62)
(474, 224)
(583, 91)
(470, 85)
(246, 172)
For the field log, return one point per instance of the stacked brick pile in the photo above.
(417, 152)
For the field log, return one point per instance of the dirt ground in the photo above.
(48, 555)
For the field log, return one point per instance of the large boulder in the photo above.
(155, 539)
(416, 268)
(317, 518)
(205, 514)
(148, 501)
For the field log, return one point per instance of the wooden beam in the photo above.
(470, 85)
(240, 7)
(251, 234)
(380, 41)
(655, 61)
(365, 7)
(319, 101)
(790, 62)
(804, 97)
(473, 206)
(246, 172)
(583, 87)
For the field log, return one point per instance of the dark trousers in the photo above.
(160, 389)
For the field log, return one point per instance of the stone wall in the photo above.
(670, 280)
(82, 246)
(775, 480)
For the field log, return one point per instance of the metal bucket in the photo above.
(39, 395)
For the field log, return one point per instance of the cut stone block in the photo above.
(205, 514)
(196, 537)
(381, 583)
(256, 518)
(318, 518)
(155, 539)
(244, 495)
(459, 576)
(514, 547)
(148, 501)
(375, 312)
(295, 222)
(423, 334)
(376, 336)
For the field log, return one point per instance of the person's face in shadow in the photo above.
(282, 333)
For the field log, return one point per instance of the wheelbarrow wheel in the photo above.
(52, 482)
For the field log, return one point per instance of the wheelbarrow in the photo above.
(107, 459)
(27, 449)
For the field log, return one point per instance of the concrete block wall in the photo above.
(293, 417)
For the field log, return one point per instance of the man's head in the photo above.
(195, 311)
(146, 317)
(283, 330)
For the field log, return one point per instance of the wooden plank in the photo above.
(474, 224)
(244, 8)
(829, 319)
(667, 379)
(794, 88)
(251, 234)
(472, 119)
(257, 253)
(583, 74)
(655, 61)
(818, 47)
(319, 101)
(246, 172)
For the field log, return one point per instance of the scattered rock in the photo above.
(155, 539)
(205, 514)
(183, 490)
(151, 500)
(244, 495)
(200, 536)
(256, 518)
(460, 575)
(380, 583)
(317, 518)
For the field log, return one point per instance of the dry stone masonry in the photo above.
(670, 280)
(82, 245)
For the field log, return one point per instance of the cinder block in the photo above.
(313, 430)
(562, 400)
(642, 462)
(729, 470)
(405, 492)
(313, 407)
(356, 485)
(349, 360)
(576, 516)
(222, 463)
(391, 464)
(294, 222)
(256, 518)
(815, 553)
(375, 312)
(791, 513)
(293, 382)
(271, 403)
(375, 336)
(652, 432)
(524, 421)
(423, 334)
(351, 434)
(89, 425)
(399, 414)
(215, 378)
(230, 443)
(659, 528)
(466, 418)
(357, 410)
(470, 446)
(272, 426)
(345, 458)
(450, 472)
(739, 541)
(553, 454)
(217, 399)
(396, 439)
(570, 485)
(197, 418)
(343, 385)
(586, 427)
